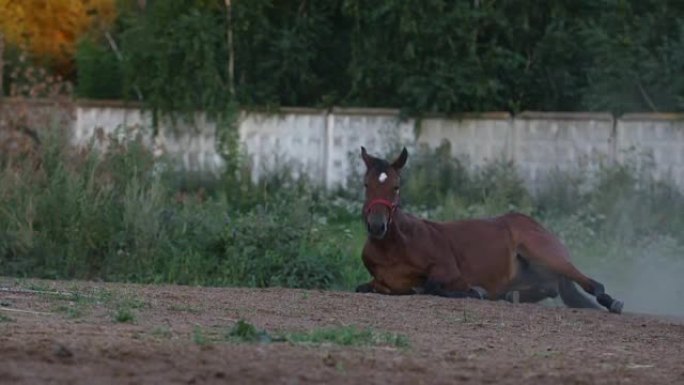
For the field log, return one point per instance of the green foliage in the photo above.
(349, 336)
(447, 188)
(290, 52)
(198, 336)
(99, 71)
(162, 332)
(421, 56)
(274, 245)
(124, 315)
(244, 331)
(619, 203)
(636, 51)
(175, 54)
(72, 310)
(114, 215)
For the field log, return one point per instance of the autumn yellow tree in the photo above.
(50, 29)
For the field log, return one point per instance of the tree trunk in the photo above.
(2, 64)
(231, 51)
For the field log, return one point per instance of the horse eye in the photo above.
(396, 188)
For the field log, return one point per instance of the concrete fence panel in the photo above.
(294, 137)
(654, 138)
(479, 138)
(544, 142)
(380, 131)
(325, 144)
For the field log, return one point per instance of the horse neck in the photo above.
(398, 231)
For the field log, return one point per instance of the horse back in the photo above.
(531, 237)
(485, 250)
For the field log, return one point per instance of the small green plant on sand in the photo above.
(124, 315)
(245, 332)
(349, 336)
(199, 337)
(162, 332)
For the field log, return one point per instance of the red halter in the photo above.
(382, 202)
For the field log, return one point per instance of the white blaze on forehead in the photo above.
(382, 178)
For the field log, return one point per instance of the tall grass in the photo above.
(110, 212)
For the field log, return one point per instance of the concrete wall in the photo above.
(544, 142)
(380, 131)
(658, 138)
(295, 138)
(479, 138)
(192, 141)
(325, 144)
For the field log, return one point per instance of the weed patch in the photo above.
(162, 332)
(245, 332)
(72, 310)
(124, 315)
(184, 309)
(349, 336)
(344, 336)
(199, 337)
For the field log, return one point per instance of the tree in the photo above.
(2, 64)
(176, 53)
(637, 56)
(50, 30)
(417, 55)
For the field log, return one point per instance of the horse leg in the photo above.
(572, 297)
(376, 287)
(365, 288)
(432, 287)
(373, 287)
(530, 284)
(446, 281)
(530, 295)
(541, 248)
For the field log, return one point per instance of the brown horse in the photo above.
(509, 257)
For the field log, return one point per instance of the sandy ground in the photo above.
(133, 334)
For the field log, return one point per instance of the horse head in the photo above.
(381, 183)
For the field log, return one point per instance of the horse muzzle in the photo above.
(377, 227)
(378, 213)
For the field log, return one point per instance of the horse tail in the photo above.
(572, 297)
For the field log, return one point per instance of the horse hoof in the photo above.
(513, 296)
(480, 292)
(616, 307)
(365, 288)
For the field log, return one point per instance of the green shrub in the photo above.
(447, 188)
(272, 245)
(99, 71)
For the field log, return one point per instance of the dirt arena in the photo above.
(93, 333)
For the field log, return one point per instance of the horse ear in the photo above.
(401, 160)
(367, 159)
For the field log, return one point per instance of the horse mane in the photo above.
(379, 165)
